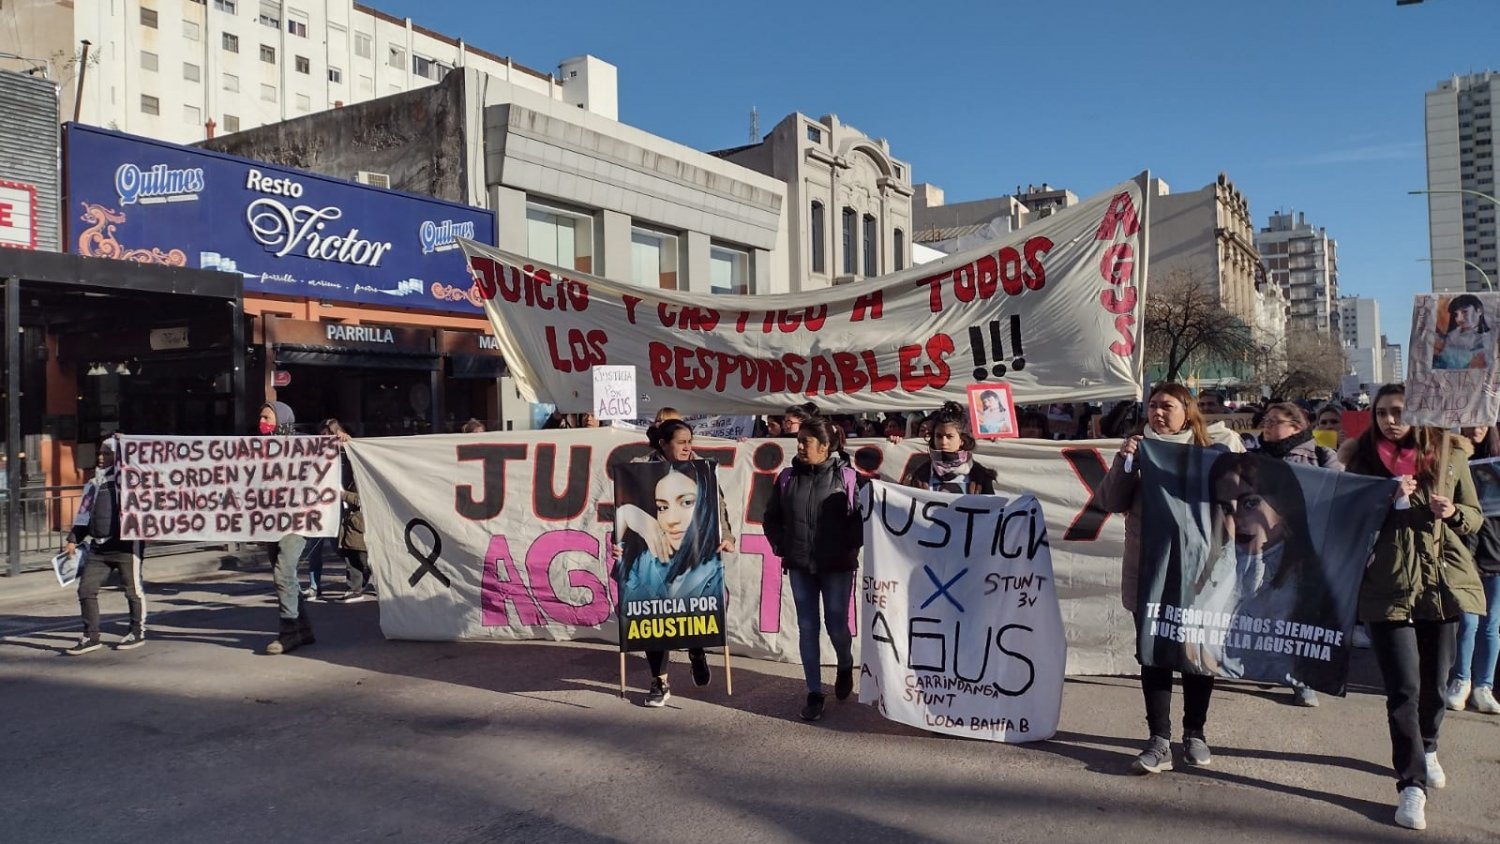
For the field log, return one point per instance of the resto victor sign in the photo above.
(284, 231)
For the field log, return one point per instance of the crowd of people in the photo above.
(1427, 601)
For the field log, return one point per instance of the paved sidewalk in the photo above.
(40, 585)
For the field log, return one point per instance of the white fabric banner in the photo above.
(1053, 310)
(235, 489)
(502, 535)
(960, 631)
(1452, 375)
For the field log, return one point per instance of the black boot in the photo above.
(304, 628)
(286, 640)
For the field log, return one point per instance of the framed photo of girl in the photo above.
(992, 412)
(671, 570)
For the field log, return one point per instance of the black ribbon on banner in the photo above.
(426, 562)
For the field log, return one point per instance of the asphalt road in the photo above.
(195, 738)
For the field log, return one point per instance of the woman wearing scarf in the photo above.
(97, 529)
(949, 465)
(1171, 416)
(1285, 436)
(1420, 580)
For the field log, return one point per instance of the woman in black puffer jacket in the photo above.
(814, 525)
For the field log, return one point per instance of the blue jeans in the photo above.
(284, 556)
(314, 553)
(1476, 659)
(834, 588)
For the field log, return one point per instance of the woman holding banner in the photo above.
(1172, 416)
(814, 526)
(1420, 580)
(949, 465)
(663, 554)
(1479, 635)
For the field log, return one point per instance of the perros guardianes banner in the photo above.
(504, 535)
(960, 629)
(1054, 310)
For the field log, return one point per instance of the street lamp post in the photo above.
(1488, 285)
(1482, 195)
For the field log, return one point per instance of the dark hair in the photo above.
(801, 412)
(1425, 440)
(660, 435)
(1120, 419)
(1274, 479)
(699, 542)
(987, 394)
(1468, 300)
(1487, 447)
(473, 426)
(1290, 410)
(824, 431)
(953, 413)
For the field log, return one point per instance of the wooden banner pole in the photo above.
(622, 675)
(728, 675)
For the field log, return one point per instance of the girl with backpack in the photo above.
(813, 524)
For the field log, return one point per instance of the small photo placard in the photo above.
(992, 412)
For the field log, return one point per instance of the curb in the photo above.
(38, 586)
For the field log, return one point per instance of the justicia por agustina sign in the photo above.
(286, 231)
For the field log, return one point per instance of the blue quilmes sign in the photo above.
(286, 231)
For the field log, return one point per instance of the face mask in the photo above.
(267, 427)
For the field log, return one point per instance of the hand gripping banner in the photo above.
(1054, 310)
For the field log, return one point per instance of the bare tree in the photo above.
(1186, 326)
(1315, 362)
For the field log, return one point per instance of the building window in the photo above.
(303, 65)
(304, 102)
(428, 68)
(872, 237)
(396, 57)
(363, 45)
(231, 82)
(226, 6)
(729, 270)
(819, 236)
(268, 93)
(559, 237)
(898, 242)
(815, 134)
(150, 104)
(190, 30)
(231, 43)
(851, 221)
(148, 61)
(231, 123)
(191, 72)
(192, 116)
(296, 23)
(270, 14)
(653, 258)
(335, 75)
(896, 169)
(148, 17)
(366, 85)
(268, 54)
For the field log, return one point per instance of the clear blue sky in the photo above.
(1308, 105)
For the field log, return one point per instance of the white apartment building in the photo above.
(1461, 157)
(1359, 322)
(1391, 363)
(1303, 260)
(167, 69)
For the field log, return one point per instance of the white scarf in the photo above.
(1218, 434)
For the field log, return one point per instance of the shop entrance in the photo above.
(368, 402)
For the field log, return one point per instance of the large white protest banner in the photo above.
(1452, 375)
(1054, 310)
(503, 535)
(960, 630)
(237, 489)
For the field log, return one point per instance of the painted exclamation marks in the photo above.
(982, 368)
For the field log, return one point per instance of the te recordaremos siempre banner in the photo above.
(960, 629)
(507, 535)
(1053, 310)
(1250, 566)
(236, 489)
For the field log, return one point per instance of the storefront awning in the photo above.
(324, 356)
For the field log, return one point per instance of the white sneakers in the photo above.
(1484, 700)
(1457, 695)
(1436, 776)
(1411, 808)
